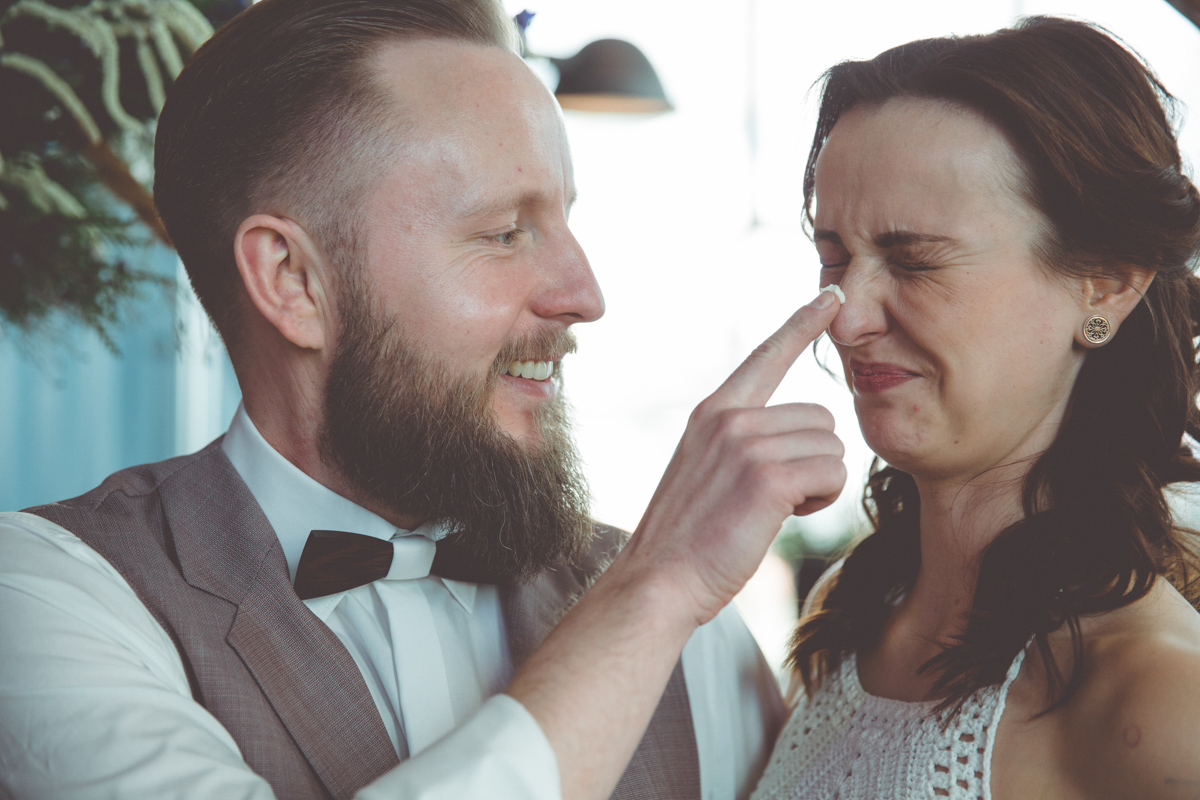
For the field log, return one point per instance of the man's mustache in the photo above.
(541, 345)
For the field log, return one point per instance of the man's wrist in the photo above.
(677, 604)
(608, 662)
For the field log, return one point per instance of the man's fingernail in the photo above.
(823, 300)
(826, 297)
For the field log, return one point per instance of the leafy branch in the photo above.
(82, 85)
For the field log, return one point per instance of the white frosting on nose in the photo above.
(837, 291)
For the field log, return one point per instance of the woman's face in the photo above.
(957, 345)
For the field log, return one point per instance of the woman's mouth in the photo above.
(875, 377)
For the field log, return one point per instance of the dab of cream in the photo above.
(837, 291)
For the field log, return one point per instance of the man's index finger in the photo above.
(757, 378)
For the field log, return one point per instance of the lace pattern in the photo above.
(844, 744)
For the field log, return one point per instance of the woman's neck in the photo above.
(958, 521)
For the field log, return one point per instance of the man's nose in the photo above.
(862, 317)
(570, 291)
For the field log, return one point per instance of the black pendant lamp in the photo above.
(608, 75)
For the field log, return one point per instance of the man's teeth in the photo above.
(534, 370)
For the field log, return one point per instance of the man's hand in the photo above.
(740, 469)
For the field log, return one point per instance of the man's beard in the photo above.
(424, 442)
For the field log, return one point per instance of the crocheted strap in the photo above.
(1001, 702)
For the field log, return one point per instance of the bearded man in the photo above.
(360, 590)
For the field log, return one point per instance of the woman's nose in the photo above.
(862, 318)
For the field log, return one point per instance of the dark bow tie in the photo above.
(338, 561)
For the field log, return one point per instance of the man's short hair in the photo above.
(280, 113)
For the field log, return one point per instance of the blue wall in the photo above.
(72, 412)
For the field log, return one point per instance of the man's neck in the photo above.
(296, 437)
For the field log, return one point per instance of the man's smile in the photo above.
(533, 370)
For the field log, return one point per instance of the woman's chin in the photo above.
(902, 446)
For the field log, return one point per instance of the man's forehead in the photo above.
(433, 77)
(478, 126)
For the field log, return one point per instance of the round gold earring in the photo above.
(1097, 329)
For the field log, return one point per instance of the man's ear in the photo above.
(1113, 298)
(286, 278)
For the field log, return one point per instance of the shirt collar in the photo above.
(295, 504)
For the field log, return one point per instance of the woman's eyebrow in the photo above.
(826, 236)
(888, 239)
(903, 238)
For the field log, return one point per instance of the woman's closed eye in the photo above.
(909, 263)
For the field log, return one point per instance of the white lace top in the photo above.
(844, 744)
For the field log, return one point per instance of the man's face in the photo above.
(466, 240)
(467, 274)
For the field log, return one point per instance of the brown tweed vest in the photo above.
(198, 551)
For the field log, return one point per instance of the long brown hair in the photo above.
(1092, 127)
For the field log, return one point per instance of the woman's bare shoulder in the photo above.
(1135, 723)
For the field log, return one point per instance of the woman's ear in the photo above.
(1112, 298)
(286, 279)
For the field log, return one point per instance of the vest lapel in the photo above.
(226, 547)
(666, 764)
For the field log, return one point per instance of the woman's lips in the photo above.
(879, 377)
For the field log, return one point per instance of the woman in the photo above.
(1009, 220)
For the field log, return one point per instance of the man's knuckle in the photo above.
(839, 449)
(703, 410)
(767, 351)
(767, 474)
(831, 468)
(829, 443)
(732, 423)
(758, 450)
(818, 416)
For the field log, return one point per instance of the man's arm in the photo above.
(94, 701)
(738, 472)
(93, 697)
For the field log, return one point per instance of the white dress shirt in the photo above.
(94, 700)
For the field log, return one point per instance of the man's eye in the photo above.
(506, 238)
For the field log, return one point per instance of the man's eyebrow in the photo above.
(903, 238)
(492, 207)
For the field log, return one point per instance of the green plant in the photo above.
(81, 85)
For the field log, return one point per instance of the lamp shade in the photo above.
(610, 75)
